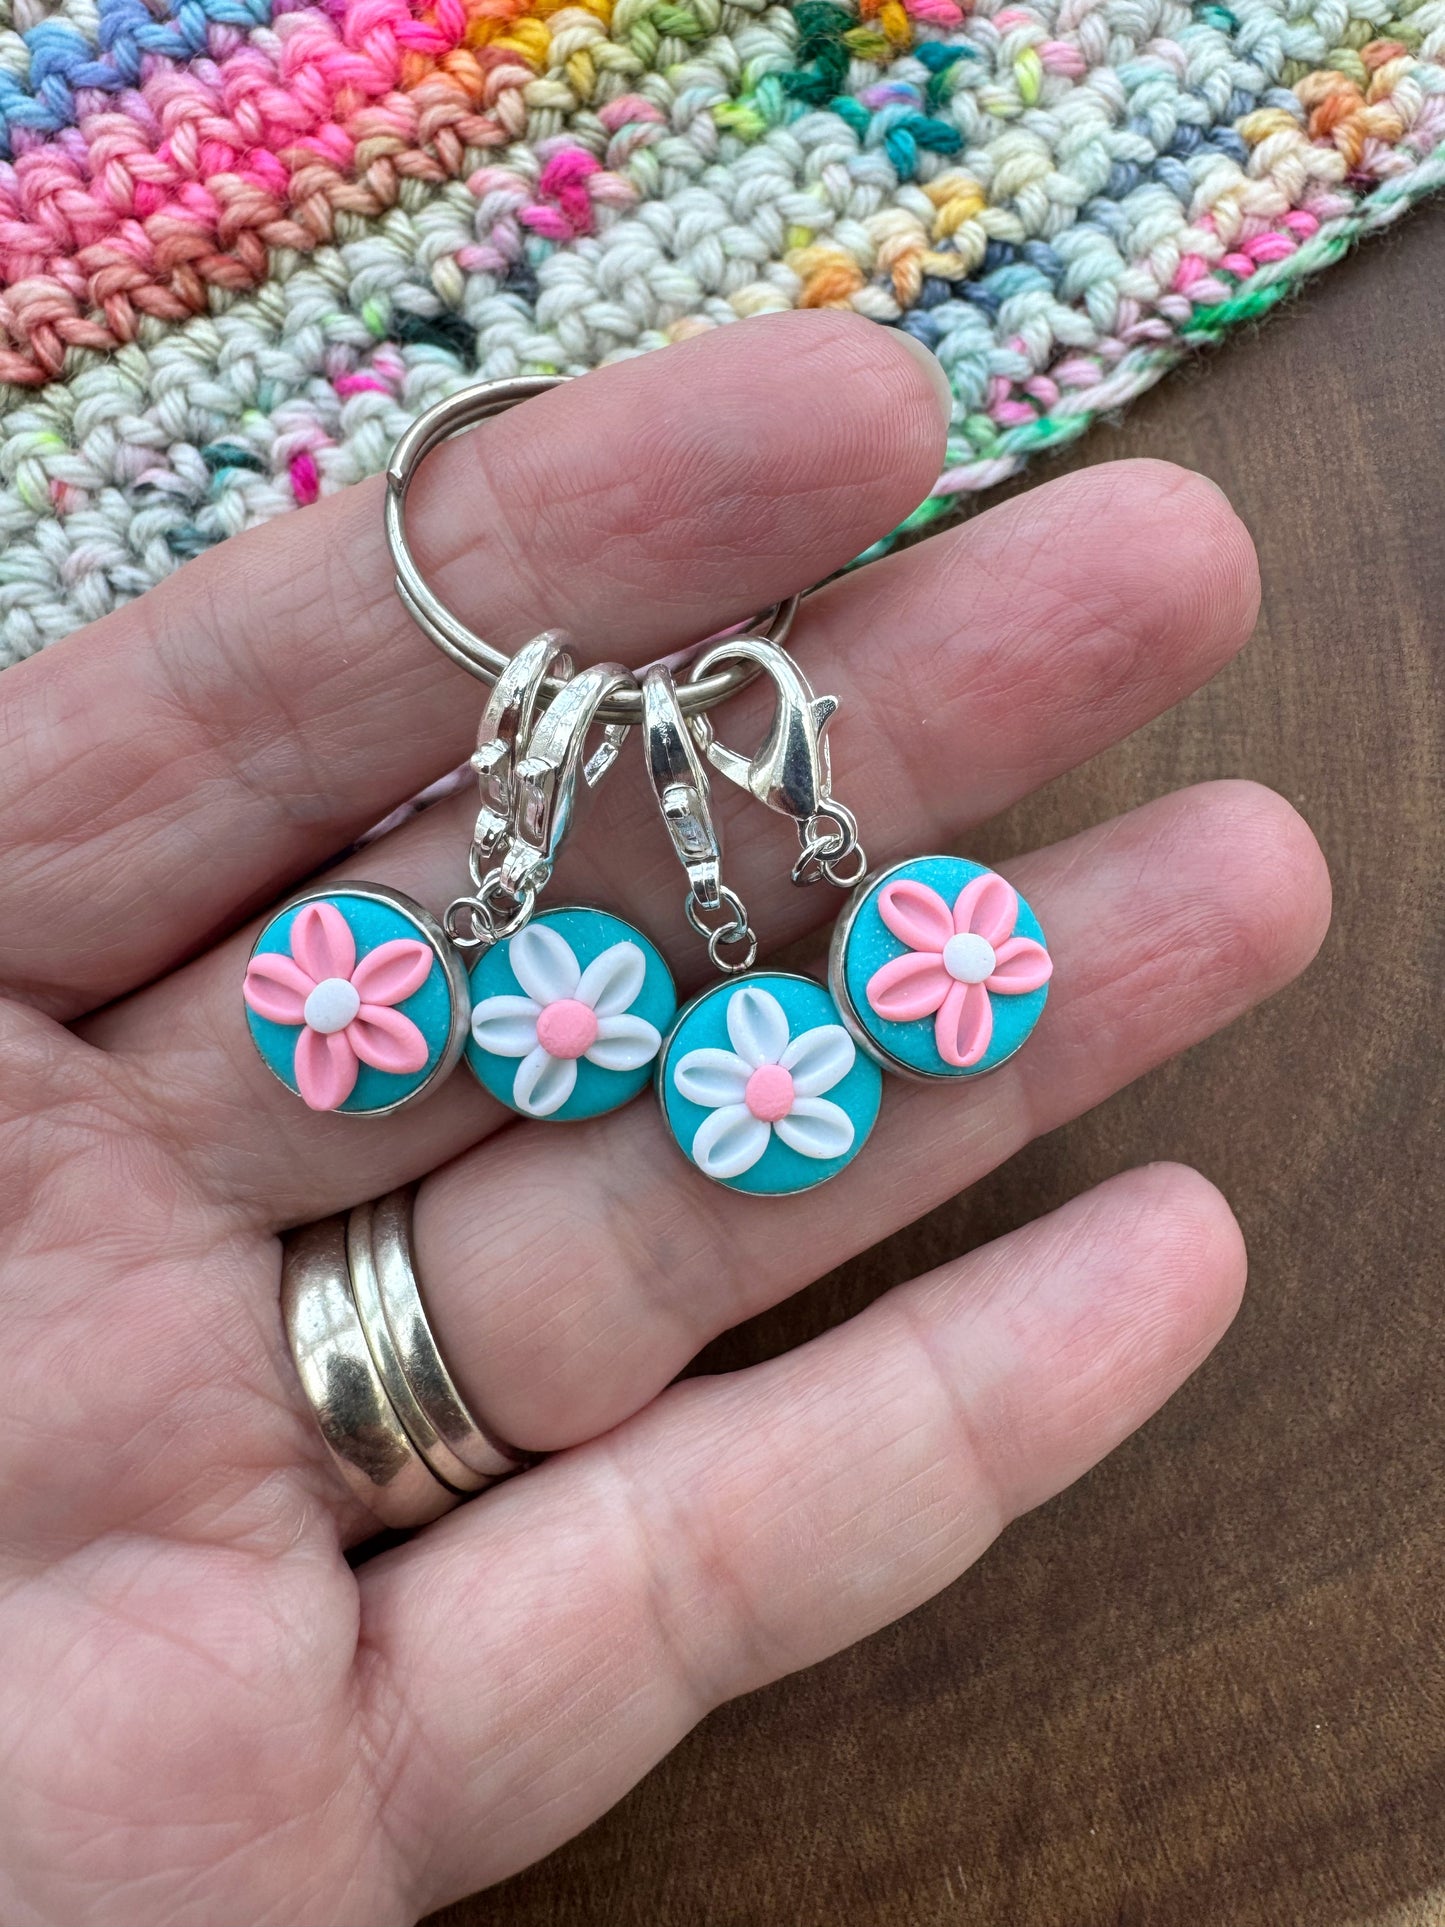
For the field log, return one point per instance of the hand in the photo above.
(208, 1714)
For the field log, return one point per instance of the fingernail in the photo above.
(934, 366)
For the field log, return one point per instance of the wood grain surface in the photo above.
(1205, 1688)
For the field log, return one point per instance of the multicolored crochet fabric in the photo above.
(244, 242)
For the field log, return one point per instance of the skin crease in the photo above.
(207, 1714)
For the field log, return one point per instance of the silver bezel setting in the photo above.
(838, 985)
(711, 990)
(443, 949)
(556, 910)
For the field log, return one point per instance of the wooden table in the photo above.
(1205, 1688)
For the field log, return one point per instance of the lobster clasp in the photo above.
(791, 770)
(548, 774)
(506, 726)
(680, 784)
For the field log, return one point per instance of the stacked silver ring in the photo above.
(393, 1420)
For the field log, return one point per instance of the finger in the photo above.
(982, 683)
(1165, 925)
(534, 1655)
(186, 758)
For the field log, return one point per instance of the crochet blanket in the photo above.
(244, 242)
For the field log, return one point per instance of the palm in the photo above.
(209, 1714)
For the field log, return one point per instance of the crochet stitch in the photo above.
(243, 243)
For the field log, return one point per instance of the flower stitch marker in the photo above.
(767, 1082)
(787, 1105)
(359, 1001)
(956, 960)
(558, 1034)
(352, 999)
(922, 958)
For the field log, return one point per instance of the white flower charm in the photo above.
(567, 1013)
(766, 1083)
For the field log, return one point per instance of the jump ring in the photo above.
(438, 424)
(512, 923)
(735, 921)
(826, 852)
(467, 923)
(734, 929)
(732, 967)
(847, 879)
(482, 925)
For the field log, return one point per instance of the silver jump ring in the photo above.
(438, 424)
(831, 853)
(734, 929)
(474, 922)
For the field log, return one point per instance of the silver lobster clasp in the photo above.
(679, 783)
(791, 770)
(502, 738)
(549, 772)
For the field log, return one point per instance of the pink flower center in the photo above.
(769, 1093)
(567, 1028)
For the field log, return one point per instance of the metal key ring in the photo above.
(431, 615)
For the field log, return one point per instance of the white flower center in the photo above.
(331, 1005)
(969, 959)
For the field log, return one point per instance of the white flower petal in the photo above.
(729, 1142)
(819, 1059)
(543, 1084)
(506, 1026)
(817, 1128)
(544, 963)
(712, 1077)
(757, 1025)
(612, 980)
(624, 1043)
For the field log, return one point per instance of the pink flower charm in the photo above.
(955, 962)
(345, 1008)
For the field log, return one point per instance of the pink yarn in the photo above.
(305, 478)
(564, 183)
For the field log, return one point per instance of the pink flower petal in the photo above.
(988, 907)
(1022, 965)
(390, 973)
(277, 988)
(963, 1029)
(386, 1040)
(915, 914)
(322, 943)
(325, 1069)
(909, 987)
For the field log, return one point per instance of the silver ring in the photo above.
(372, 1449)
(431, 615)
(441, 1461)
(390, 1415)
(463, 1439)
